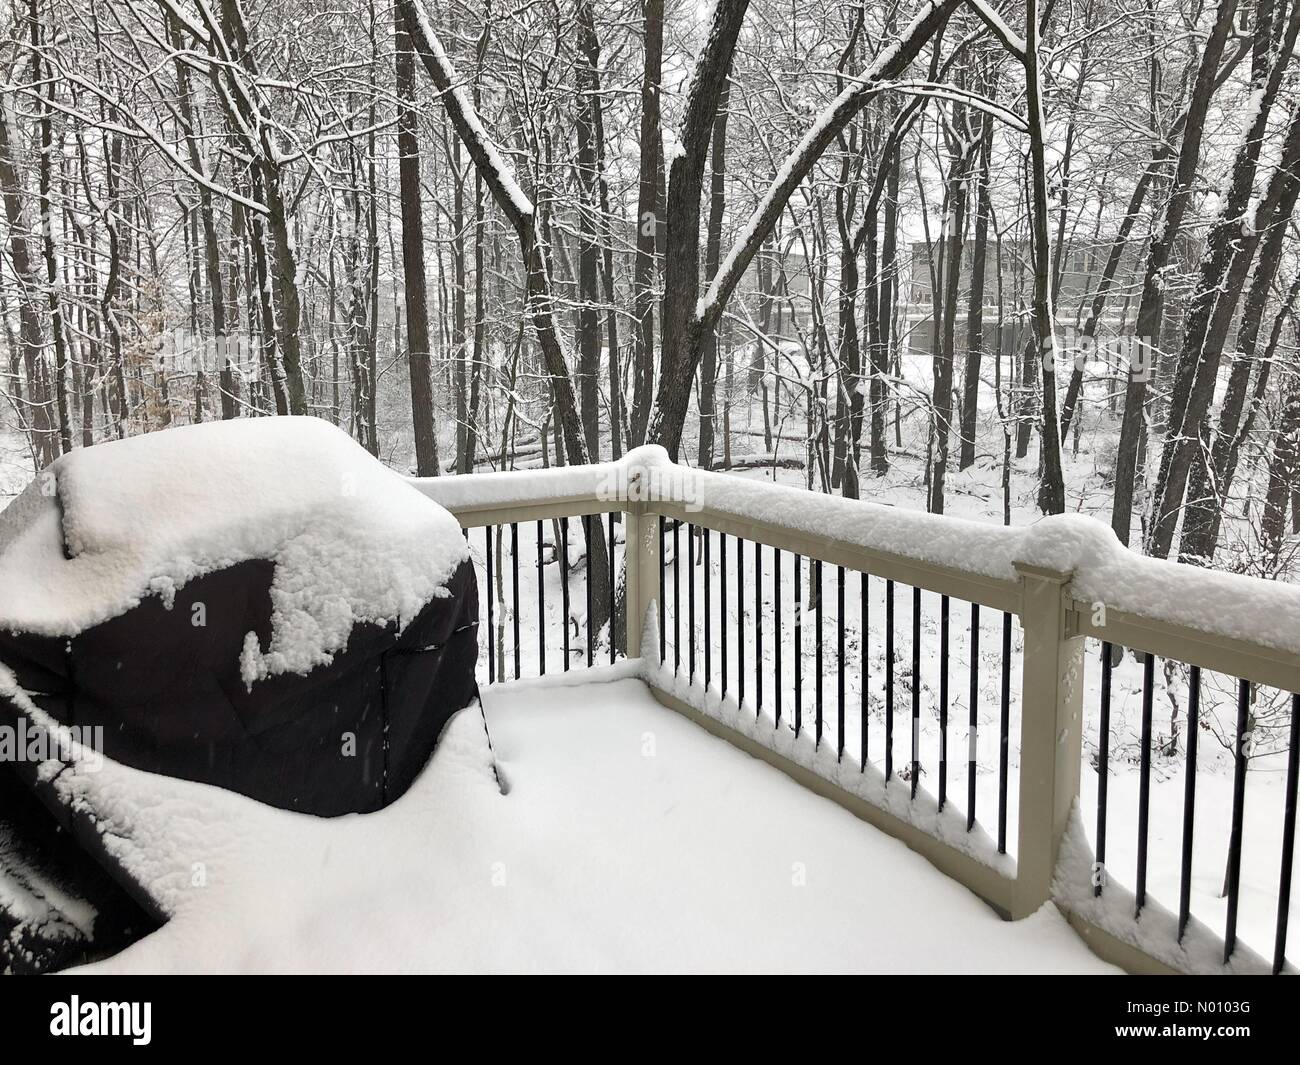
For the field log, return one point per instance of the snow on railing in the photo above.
(844, 641)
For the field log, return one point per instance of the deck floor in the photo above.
(600, 832)
(673, 850)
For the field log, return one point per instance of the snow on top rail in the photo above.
(1101, 570)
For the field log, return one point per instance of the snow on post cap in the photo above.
(105, 526)
(599, 480)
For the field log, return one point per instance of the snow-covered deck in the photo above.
(1011, 818)
(627, 839)
(682, 852)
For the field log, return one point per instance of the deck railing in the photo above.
(904, 617)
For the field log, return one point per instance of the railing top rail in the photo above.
(964, 584)
(1216, 653)
(1205, 617)
(473, 494)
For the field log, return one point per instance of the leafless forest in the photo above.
(981, 258)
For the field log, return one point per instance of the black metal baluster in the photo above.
(1241, 758)
(1288, 838)
(1144, 782)
(740, 622)
(864, 696)
(491, 595)
(564, 585)
(817, 686)
(1004, 729)
(972, 728)
(613, 646)
(1189, 799)
(690, 599)
(943, 700)
(514, 590)
(916, 688)
(889, 679)
(798, 644)
(541, 604)
(708, 608)
(1103, 769)
(758, 629)
(663, 617)
(839, 668)
(776, 596)
(677, 600)
(591, 637)
(722, 604)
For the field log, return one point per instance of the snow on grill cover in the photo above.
(257, 604)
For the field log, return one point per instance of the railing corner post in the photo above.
(641, 552)
(1051, 736)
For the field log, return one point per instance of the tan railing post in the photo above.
(641, 554)
(1051, 732)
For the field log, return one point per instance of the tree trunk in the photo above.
(1051, 493)
(975, 305)
(45, 126)
(590, 45)
(688, 319)
(417, 313)
(1282, 471)
(886, 287)
(588, 317)
(954, 221)
(1230, 248)
(31, 330)
(1150, 307)
(682, 333)
(647, 220)
(521, 214)
(1209, 489)
(712, 255)
(286, 361)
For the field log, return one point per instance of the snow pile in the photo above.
(626, 839)
(351, 540)
(1156, 931)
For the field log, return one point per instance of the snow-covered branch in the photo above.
(495, 170)
(891, 61)
(138, 128)
(962, 96)
(1011, 41)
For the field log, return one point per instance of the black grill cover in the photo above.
(347, 737)
(350, 736)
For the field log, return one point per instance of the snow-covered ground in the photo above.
(621, 838)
